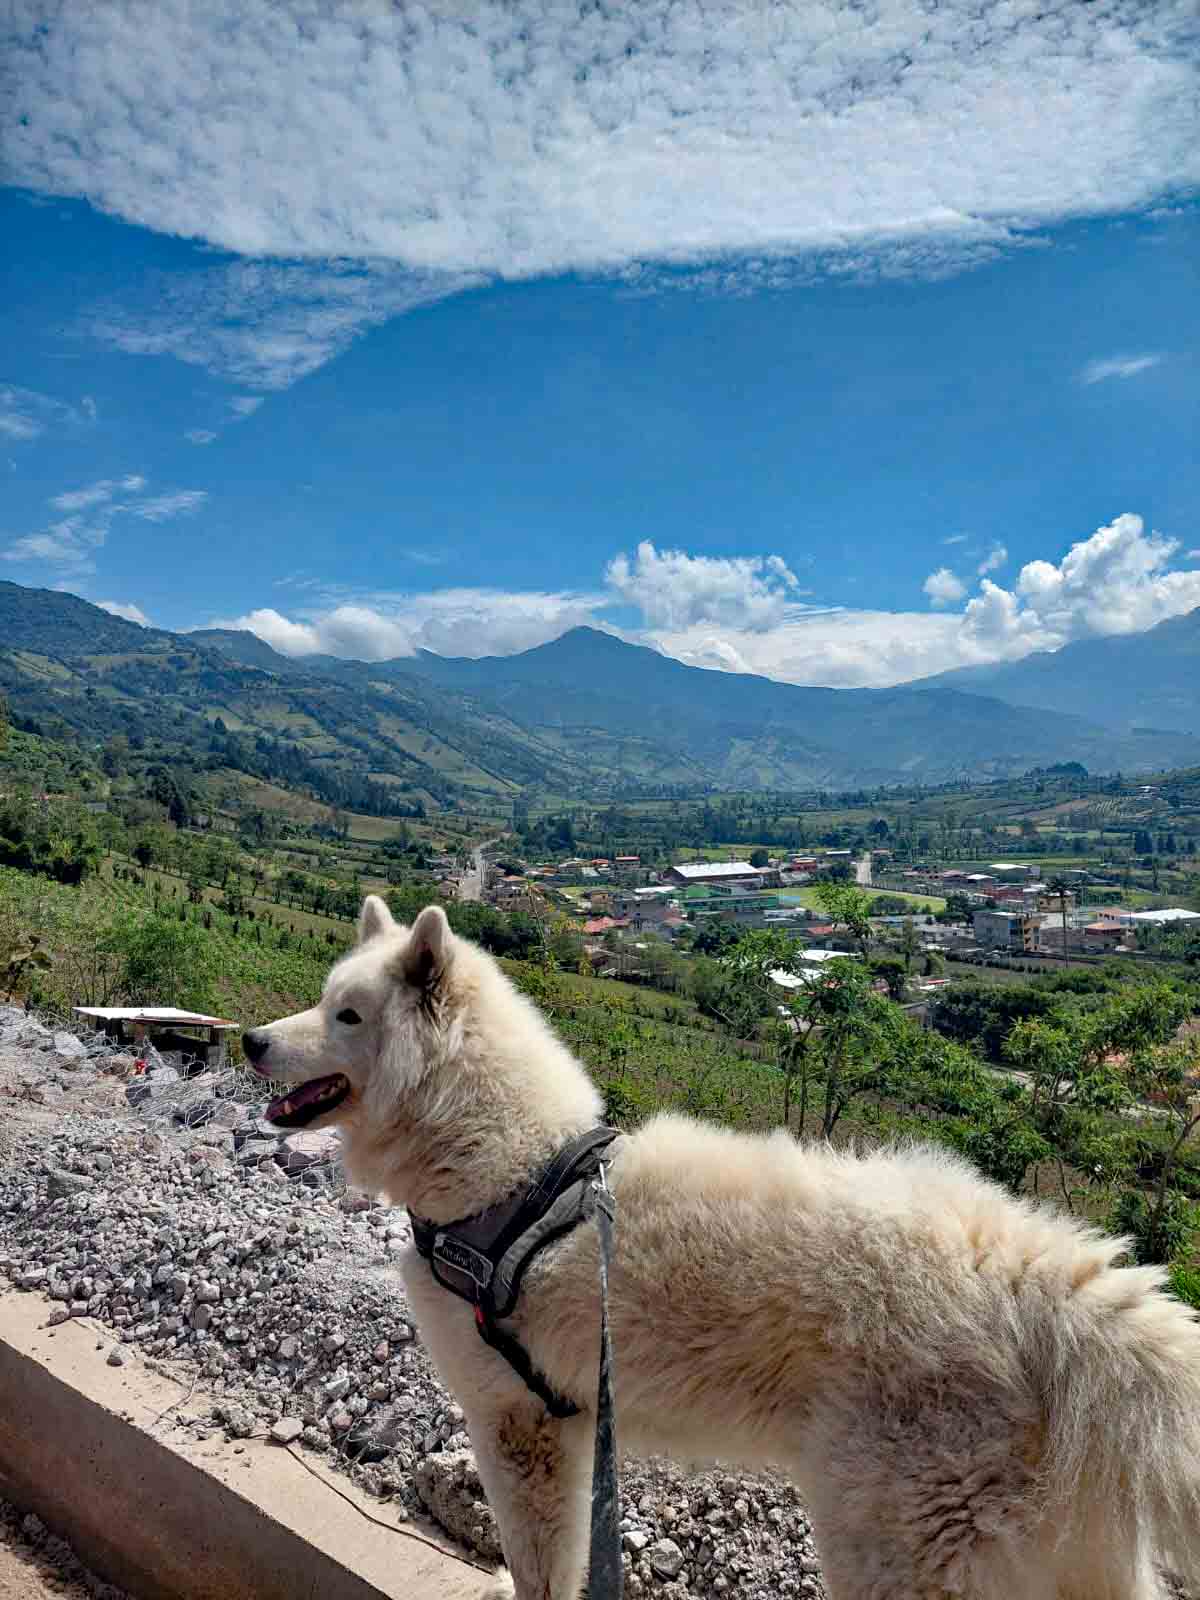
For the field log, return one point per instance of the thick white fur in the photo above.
(973, 1400)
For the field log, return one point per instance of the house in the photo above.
(1162, 919)
(1013, 871)
(725, 872)
(1104, 936)
(1006, 930)
(629, 869)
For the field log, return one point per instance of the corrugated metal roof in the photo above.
(717, 869)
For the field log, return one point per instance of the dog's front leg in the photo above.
(536, 1470)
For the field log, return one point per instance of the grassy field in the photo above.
(808, 897)
(935, 902)
(173, 887)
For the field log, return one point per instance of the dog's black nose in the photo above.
(254, 1043)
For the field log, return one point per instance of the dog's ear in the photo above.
(429, 950)
(373, 919)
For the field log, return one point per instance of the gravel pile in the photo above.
(39, 1563)
(159, 1205)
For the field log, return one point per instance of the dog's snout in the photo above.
(254, 1043)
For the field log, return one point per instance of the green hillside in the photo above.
(587, 715)
(1136, 680)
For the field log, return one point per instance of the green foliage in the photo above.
(54, 837)
(1184, 1283)
(894, 973)
(848, 907)
(1159, 1232)
(972, 1012)
(163, 961)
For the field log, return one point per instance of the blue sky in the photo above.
(904, 379)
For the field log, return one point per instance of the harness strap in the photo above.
(515, 1353)
(606, 1576)
(483, 1259)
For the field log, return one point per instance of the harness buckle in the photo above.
(459, 1257)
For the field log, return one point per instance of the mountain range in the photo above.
(585, 715)
(1124, 681)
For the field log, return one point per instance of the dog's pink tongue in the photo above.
(285, 1105)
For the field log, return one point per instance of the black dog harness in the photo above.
(483, 1259)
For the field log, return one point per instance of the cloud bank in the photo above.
(521, 138)
(740, 614)
(475, 622)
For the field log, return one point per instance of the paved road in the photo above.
(470, 885)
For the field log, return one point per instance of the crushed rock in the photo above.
(179, 1221)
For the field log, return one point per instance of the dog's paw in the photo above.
(503, 1587)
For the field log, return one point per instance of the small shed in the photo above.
(191, 1033)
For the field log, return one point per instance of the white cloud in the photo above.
(996, 558)
(160, 508)
(943, 587)
(126, 609)
(842, 649)
(1193, 555)
(70, 542)
(97, 493)
(245, 405)
(15, 426)
(519, 138)
(266, 324)
(674, 590)
(474, 622)
(956, 538)
(200, 435)
(88, 407)
(1120, 580)
(1117, 367)
(738, 614)
(25, 414)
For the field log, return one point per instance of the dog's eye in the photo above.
(349, 1016)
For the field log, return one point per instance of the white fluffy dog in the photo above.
(972, 1399)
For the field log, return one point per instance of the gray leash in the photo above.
(606, 1577)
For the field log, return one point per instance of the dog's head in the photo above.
(374, 1030)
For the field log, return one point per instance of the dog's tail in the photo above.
(1120, 1379)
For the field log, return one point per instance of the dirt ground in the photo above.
(35, 1565)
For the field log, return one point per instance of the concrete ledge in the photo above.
(172, 1518)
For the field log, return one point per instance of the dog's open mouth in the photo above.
(307, 1101)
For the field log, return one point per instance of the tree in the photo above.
(909, 943)
(848, 907)
(1084, 1067)
(1163, 1222)
(759, 858)
(852, 1027)
(894, 973)
(1059, 886)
